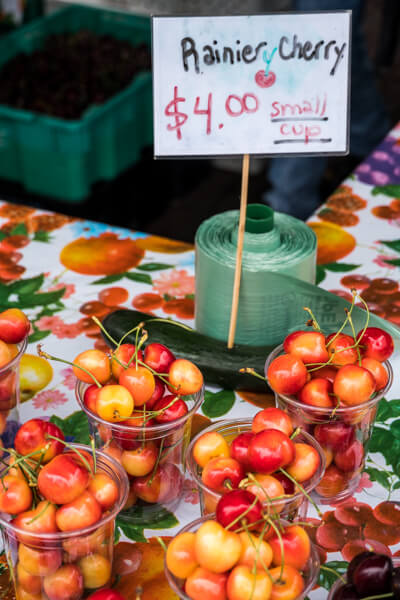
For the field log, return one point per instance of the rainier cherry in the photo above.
(14, 326)
(340, 347)
(94, 361)
(272, 418)
(377, 370)
(240, 448)
(353, 385)
(62, 479)
(287, 374)
(318, 392)
(220, 473)
(32, 437)
(309, 346)
(216, 548)
(210, 445)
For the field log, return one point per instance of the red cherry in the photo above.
(158, 357)
(328, 372)
(337, 436)
(350, 459)
(220, 473)
(286, 483)
(172, 408)
(265, 81)
(238, 503)
(287, 374)
(157, 394)
(32, 436)
(270, 450)
(240, 448)
(106, 594)
(90, 397)
(375, 343)
(309, 346)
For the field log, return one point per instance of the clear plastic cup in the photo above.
(161, 487)
(38, 560)
(289, 508)
(310, 572)
(344, 434)
(9, 396)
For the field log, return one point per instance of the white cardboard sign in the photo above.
(260, 84)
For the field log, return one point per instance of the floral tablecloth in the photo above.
(62, 271)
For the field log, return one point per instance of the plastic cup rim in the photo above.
(65, 535)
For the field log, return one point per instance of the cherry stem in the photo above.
(330, 570)
(139, 326)
(278, 533)
(257, 551)
(313, 319)
(355, 340)
(295, 433)
(161, 542)
(388, 595)
(251, 371)
(243, 514)
(40, 514)
(303, 491)
(348, 313)
(103, 329)
(170, 322)
(70, 447)
(43, 354)
(92, 445)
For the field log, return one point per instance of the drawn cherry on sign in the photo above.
(263, 80)
(266, 78)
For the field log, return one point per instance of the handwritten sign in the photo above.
(262, 84)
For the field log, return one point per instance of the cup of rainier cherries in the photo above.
(58, 505)
(237, 554)
(330, 386)
(140, 412)
(264, 456)
(14, 329)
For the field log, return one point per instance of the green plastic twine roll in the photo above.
(274, 243)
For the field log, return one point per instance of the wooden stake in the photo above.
(239, 250)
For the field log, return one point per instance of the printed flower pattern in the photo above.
(177, 283)
(49, 399)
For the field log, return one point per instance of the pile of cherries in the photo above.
(14, 327)
(332, 376)
(131, 385)
(240, 556)
(50, 487)
(369, 574)
(136, 390)
(266, 461)
(337, 370)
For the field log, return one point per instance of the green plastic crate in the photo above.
(61, 159)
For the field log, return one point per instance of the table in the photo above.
(58, 269)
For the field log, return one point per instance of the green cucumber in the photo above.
(219, 365)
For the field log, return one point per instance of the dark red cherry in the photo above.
(346, 592)
(353, 564)
(373, 575)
